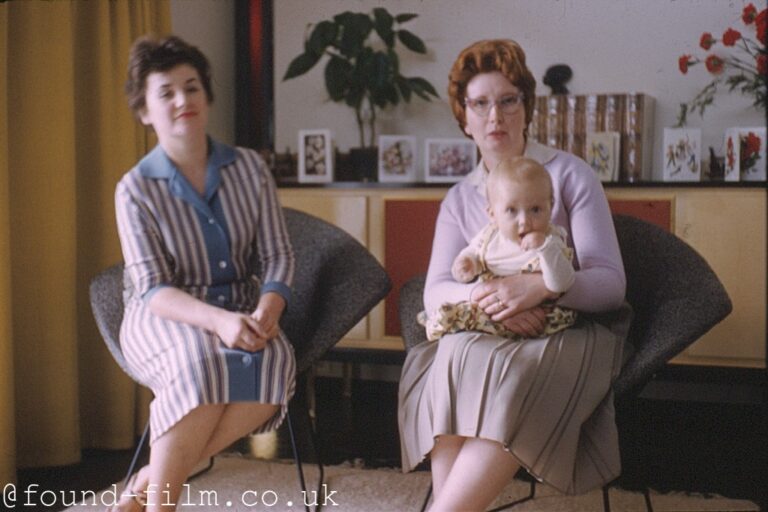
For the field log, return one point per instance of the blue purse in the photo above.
(244, 374)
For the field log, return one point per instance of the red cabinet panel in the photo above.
(409, 226)
(655, 211)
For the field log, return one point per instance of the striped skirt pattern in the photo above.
(548, 401)
(185, 367)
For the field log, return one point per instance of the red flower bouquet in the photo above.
(750, 151)
(745, 70)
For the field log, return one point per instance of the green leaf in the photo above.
(385, 95)
(343, 18)
(383, 24)
(365, 66)
(323, 35)
(354, 97)
(301, 65)
(422, 88)
(411, 41)
(379, 97)
(337, 77)
(408, 16)
(682, 116)
(404, 86)
(381, 70)
(354, 31)
(391, 93)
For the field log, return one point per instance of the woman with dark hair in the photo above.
(208, 267)
(481, 406)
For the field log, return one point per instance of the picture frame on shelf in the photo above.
(603, 154)
(448, 160)
(315, 160)
(745, 154)
(682, 154)
(397, 159)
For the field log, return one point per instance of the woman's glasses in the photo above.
(509, 104)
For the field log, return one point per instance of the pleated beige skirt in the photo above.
(548, 401)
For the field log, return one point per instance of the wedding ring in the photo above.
(501, 304)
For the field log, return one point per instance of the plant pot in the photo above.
(363, 164)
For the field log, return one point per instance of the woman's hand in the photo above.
(267, 315)
(530, 323)
(505, 297)
(238, 330)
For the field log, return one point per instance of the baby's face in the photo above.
(519, 208)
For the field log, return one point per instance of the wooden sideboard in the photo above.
(726, 225)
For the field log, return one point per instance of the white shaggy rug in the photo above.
(239, 484)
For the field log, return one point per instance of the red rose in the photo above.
(707, 40)
(683, 63)
(752, 144)
(748, 14)
(714, 64)
(762, 65)
(761, 25)
(731, 36)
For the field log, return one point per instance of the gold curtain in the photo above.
(7, 430)
(68, 136)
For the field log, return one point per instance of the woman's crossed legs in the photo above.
(199, 435)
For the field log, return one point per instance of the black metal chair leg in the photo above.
(202, 471)
(606, 500)
(297, 458)
(136, 454)
(318, 458)
(647, 496)
(426, 499)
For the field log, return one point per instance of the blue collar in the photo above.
(157, 165)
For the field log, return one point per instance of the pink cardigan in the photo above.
(580, 207)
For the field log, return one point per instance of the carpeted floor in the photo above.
(240, 484)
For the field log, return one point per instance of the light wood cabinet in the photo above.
(726, 225)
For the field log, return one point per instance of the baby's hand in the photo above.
(464, 269)
(532, 240)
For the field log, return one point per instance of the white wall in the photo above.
(612, 46)
(210, 25)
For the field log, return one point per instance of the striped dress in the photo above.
(225, 248)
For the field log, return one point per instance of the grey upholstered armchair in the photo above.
(674, 295)
(336, 283)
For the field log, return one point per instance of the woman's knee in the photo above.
(259, 412)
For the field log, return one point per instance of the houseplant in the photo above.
(745, 69)
(361, 70)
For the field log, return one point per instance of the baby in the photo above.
(519, 238)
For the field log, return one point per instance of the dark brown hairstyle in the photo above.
(503, 55)
(152, 54)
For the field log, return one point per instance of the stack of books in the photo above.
(567, 121)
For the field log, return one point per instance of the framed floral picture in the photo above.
(448, 160)
(397, 158)
(682, 154)
(315, 160)
(602, 154)
(745, 154)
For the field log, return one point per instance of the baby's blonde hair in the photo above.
(518, 170)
